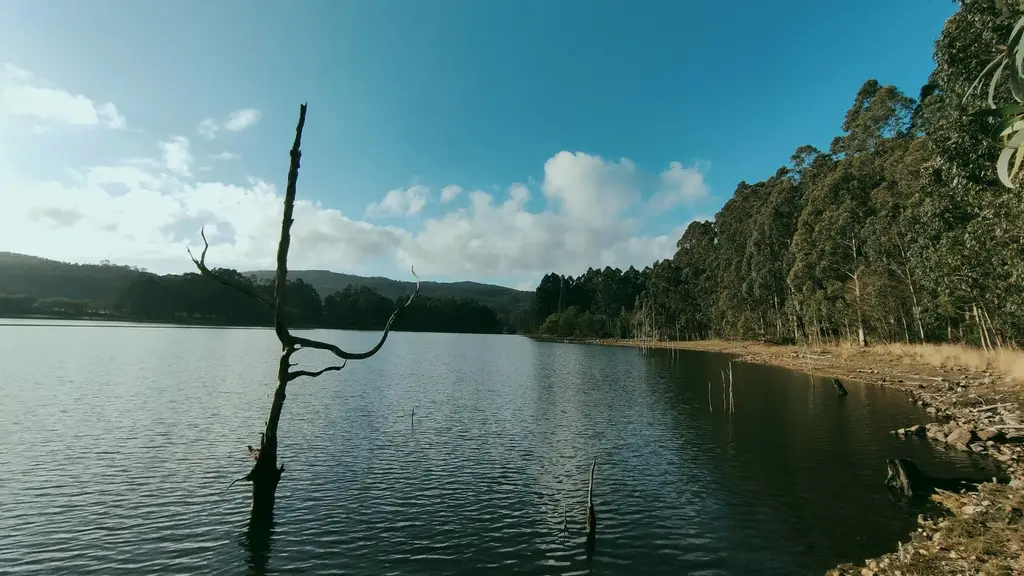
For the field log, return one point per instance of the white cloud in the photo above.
(24, 94)
(143, 214)
(235, 122)
(680, 185)
(226, 156)
(400, 202)
(589, 188)
(449, 193)
(208, 128)
(177, 156)
(242, 119)
(143, 211)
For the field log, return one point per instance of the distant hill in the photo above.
(40, 278)
(500, 298)
(102, 284)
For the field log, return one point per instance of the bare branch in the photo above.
(203, 270)
(311, 374)
(308, 343)
(245, 478)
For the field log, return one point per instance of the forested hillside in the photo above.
(503, 300)
(899, 231)
(37, 286)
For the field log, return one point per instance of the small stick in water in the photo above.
(710, 407)
(591, 516)
(412, 418)
(732, 405)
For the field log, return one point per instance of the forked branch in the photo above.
(201, 265)
(344, 355)
(313, 374)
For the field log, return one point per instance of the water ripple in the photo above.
(117, 453)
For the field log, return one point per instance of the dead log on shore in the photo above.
(907, 480)
(840, 389)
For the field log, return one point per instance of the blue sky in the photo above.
(576, 133)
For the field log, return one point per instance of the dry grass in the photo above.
(1006, 361)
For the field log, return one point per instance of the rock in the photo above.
(990, 434)
(978, 447)
(949, 428)
(960, 436)
(939, 437)
(931, 410)
(968, 510)
(917, 430)
(1004, 457)
(867, 572)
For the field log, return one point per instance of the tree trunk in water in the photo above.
(265, 474)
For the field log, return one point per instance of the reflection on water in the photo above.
(118, 450)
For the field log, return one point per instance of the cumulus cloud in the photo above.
(144, 211)
(225, 156)
(590, 188)
(177, 156)
(680, 185)
(449, 193)
(24, 94)
(400, 202)
(235, 122)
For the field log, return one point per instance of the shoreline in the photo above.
(974, 402)
(111, 319)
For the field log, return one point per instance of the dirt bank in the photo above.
(974, 400)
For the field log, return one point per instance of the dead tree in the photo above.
(265, 473)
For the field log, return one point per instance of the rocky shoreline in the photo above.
(976, 410)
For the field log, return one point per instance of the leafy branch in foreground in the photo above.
(1009, 125)
(265, 473)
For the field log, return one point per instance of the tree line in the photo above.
(898, 232)
(192, 299)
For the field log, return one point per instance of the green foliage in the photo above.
(901, 231)
(31, 286)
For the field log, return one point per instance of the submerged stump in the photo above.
(840, 389)
(591, 515)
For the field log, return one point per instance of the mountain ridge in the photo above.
(39, 277)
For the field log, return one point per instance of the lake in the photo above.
(117, 443)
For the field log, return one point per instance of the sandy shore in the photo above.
(974, 400)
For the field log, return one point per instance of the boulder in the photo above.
(960, 436)
(917, 430)
(990, 434)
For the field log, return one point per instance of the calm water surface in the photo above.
(117, 443)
